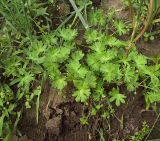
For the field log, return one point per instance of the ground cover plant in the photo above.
(104, 67)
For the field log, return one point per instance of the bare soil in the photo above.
(59, 119)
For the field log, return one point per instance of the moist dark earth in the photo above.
(59, 118)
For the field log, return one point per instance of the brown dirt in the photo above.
(150, 49)
(121, 12)
(132, 115)
(59, 119)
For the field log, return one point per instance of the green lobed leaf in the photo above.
(92, 36)
(117, 97)
(68, 34)
(131, 77)
(82, 95)
(140, 60)
(93, 62)
(152, 97)
(97, 17)
(111, 72)
(120, 27)
(60, 83)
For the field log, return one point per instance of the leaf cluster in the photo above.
(56, 57)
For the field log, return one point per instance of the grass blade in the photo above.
(79, 14)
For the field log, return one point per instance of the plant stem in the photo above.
(152, 127)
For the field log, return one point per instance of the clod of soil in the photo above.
(151, 49)
(53, 125)
(118, 6)
(58, 119)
